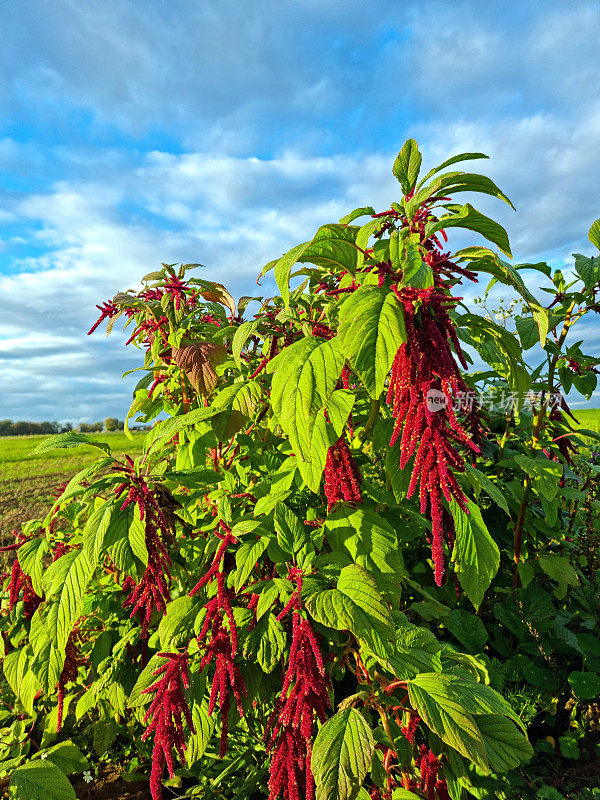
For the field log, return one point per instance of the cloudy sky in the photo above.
(224, 132)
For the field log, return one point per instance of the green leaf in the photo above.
(559, 569)
(481, 481)
(40, 780)
(407, 165)
(545, 473)
(369, 541)
(246, 558)
(342, 755)
(453, 182)
(506, 746)
(333, 247)
(145, 679)
(266, 643)
(473, 220)
(291, 533)
(20, 677)
(174, 627)
(238, 402)
(432, 696)
(204, 726)
(64, 614)
(586, 685)
(283, 270)
(594, 234)
(475, 555)
(70, 439)
(449, 162)
(354, 605)
(95, 530)
(303, 382)
(416, 272)
(371, 331)
(528, 331)
(67, 757)
(240, 337)
(468, 629)
(358, 212)
(31, 555)
(588, 270)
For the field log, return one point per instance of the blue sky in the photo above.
(226, 132)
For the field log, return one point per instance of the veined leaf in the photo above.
(453, 182)
(63, 615)
(40, 780)
(468, 217)
(240, 337)
(302, 384)
(354, 605)
(407, 165)
(475, 555)
(442, 711)
(506, 746)
(449, 162)
(594, 234)
(69, 439)
(371, 331)
(342, 755)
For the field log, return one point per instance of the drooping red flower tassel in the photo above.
(342, 478)
(152, 592)
(424, 382)
(220, 644)
(304, 698)
(167, 711)
(20, 582)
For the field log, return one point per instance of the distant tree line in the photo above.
(10, 428)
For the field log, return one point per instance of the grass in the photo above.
(28, 482)
(588, 418)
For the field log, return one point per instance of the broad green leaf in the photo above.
(468, 629)
(47, 661)
(475, 555)
(586, 685)
(407, 165)
(354, 605)
(283, 270)
(528, 331)
(70, 439)
(240, 337)
(342, 755)
(473, 220)
(20, 677)
(65, 613)
(265, 643)
(545, 473)
(453, 182)
(31, 555)
(333, 247)
(204, 726)
(588, 270)
(505, 745)
(559, 569)
(67, 757)
(174, 627)
(302, 384)
(369, 541)
(416, 272)
(246, 558)
(40, 780)
(291, 533)
(481, 481)
(125, 540)
(95, 529)
(371, 332)
(339, 407)
(238, 403)
(431, 694)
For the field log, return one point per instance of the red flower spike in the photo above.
(20, 582)
(342, 478)
(424, 383)
(167, 711)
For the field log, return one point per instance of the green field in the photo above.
(28, 482)
(588, 418)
